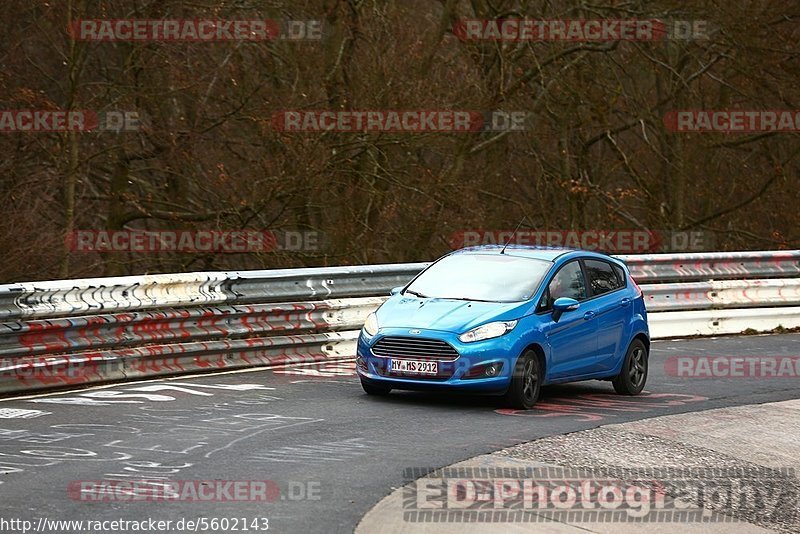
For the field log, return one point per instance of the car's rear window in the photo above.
(482, 277)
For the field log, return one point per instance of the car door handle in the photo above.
(588, 315)
(625, 302)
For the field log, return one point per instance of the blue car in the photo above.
(506, 321)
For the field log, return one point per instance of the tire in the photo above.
(526, 382)
(633, 377)
(372, 389)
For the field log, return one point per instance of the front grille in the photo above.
(414, 348)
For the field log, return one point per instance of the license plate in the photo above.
(414, 367)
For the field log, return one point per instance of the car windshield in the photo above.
(481, 277)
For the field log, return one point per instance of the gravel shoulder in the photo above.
(733, 469)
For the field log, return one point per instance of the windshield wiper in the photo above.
(467, 300)
(420, 295)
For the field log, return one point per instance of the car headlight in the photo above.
(487, 331)
(371, 325)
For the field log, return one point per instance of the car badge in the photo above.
(414, 332)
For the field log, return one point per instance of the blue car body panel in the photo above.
(588, 343)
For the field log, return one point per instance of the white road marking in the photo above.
(17, 413)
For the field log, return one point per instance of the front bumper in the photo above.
(374, 369)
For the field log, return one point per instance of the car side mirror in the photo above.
(395, 290)
(562, 305)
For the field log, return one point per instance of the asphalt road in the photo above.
(331, 451)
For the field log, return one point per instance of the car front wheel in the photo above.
(632, 378)
(525, 383)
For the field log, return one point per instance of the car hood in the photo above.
(446, 315)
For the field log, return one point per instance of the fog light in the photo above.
(361, 363)
(485, 371)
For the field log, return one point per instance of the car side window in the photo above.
(568, 282)
(602, 277)
(620, 276)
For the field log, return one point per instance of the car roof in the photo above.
(533, 252)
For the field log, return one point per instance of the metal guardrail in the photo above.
(73, 332)
(720, 322)
(72, 297)
(663, 268)
(722, 294)
(158, 329)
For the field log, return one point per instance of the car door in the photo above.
(613, 307)
(573, 339)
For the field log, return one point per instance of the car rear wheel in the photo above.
(525, 383)
(372, 389)
(632, 378)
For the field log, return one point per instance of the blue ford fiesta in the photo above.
(507, 321)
